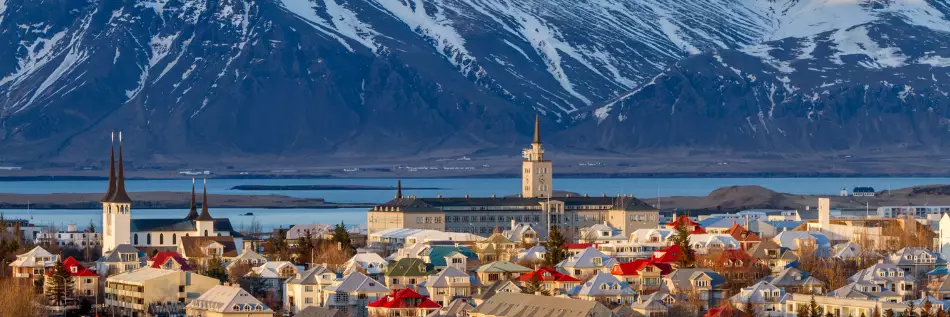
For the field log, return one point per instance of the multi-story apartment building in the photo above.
(71, 237)
(535, 207)
(133, 293)
(306, 289)
(447, 285)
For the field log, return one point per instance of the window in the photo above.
(148, 239)
(135, 239)
(161, 238)
(308, 300)
(173, 239)
(308, 288)
(342, 297)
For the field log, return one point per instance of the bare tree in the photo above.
(18, 298)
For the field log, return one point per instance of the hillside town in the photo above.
(537, 253)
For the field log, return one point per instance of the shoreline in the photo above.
(167, 200)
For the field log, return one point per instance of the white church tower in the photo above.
(116, 205)
(536, 171)
(204, 224)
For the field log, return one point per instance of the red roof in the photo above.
(163, 257)
(79, 270)
(742, 234)
(669, 254)
(685, 221)
(578, 246)
(721, 311)
(633, 268)
(402, 299)
(546, 274)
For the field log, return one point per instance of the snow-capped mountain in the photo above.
(349, 77)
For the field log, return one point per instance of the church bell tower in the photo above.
(116, 205)
(536, 171)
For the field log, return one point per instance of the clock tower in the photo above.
(536, 171)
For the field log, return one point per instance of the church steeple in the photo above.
(193, 212)
(111, 190)
(398, 189)
(205, 215)
(120, 195)
(537, 129)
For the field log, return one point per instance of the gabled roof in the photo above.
(359, 283)
(685, 221)
(585, 259)
(409, 267)
(497, 287)
(670, 254)
(790, 277)
(437, 254)
(578, 246)
(602, 284)
(113, 256)
(742, 234)
(227, 299)
(534, 253)
(502, 267)
(497, 238)
(405, 298)
(546, 274)
(760, 293)
(309, 277)
(193, 245)
(529, 305)
(272, 269)
(371, 262)
(682, 278)
(909, 255)
(633, 268)
(79, 270)
(29, 259)
(162, 257)
(443, 278)
(314, 311)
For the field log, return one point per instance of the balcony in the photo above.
(21, 275)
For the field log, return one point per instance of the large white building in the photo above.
(119, 227)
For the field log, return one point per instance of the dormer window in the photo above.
(598, 261)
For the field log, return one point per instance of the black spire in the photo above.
(120, 196)
(537, 129)
(193, 213)
(205, 216)
(398, 189)
(111, 190)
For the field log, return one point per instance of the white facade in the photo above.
(116, 223)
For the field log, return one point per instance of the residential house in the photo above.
(522, 233)
(882, 280)
(705, 284)
(534, 254)
(794, 280)
(606, 289)
(227, 301)
(248, 257)
(736, 265)
(500, 271)
(460, 257)
(496, 248)
(406, 302)
(806, 241)
(351, 294)
(201, 249)
(371, 264)
(846, 251)
(767, 298)
(85, 282)
(602, 234)
(586, 263)
(306, 289)
(34, 263)
(274, 274)
(711, 243)
(550, 279)
(642, 274)
(576, 248)
(717, 225)
(517, 304)
(669, 255)
(123, 258)
(837, 306)
(505, 287)
(747, 239)
(168, 261)
(774, 256)
(460, 307)
(447, 285)
(657, 304)
(140, 291)
(691, 226)
(917, 261)
(407, 273)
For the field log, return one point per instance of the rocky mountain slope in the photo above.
(248, 80)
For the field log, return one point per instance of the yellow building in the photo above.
(536, 206)
(223, 301)
(133, 292)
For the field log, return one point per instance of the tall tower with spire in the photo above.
(536, 171)
(116, 205)
(204, 224)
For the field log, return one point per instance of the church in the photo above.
(164, 234)
(536, 206)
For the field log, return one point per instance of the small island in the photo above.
(324, 187)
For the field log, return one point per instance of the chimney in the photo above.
(71, 227)
(824, 213)
(512, 224)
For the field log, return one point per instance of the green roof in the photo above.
(502, 267)
(437, 254)
(409, 267)
(497, 238)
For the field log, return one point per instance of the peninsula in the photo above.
(165, 200)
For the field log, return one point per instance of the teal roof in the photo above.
(437, 254)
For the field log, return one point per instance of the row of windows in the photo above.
(161, 238)
(522, 218)
(428, 219)
(540, 170)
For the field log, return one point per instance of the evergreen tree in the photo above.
(889, 313)
(279, 249)
(555, 252)
(803, 311)
(304, 248)
(863, 315)
(876, 312)
(535, 287)
(813, 309)
(925, 310)
(681, 239)
(941, 312)
(910, 311)
(215, 268)
(59, 284)
(341, 236)
(749, 309)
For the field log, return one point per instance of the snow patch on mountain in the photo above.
(856, 41)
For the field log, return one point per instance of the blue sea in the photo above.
(644, 188)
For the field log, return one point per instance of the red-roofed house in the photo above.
(552, 280)
(576, 248)
(169, 261)
(683, 220)
(641, 273)
(723, 311)
(736, 265)
(670, 254)
(747, 239)
(405, 302)
(85, 282)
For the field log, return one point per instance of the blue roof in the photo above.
(716, 222)
(938, 271)
(783, 224)
(437, 254)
